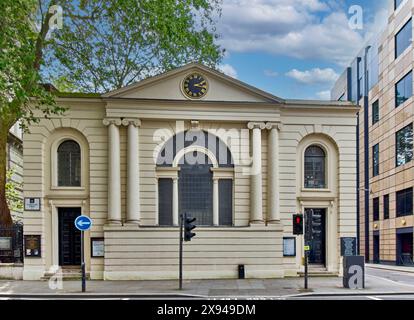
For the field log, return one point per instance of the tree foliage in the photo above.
(108, 44)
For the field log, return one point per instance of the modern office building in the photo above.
(192, 140)
(380, 81)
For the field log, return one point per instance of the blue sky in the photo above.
(294, 48)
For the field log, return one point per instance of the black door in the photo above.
(69, 237)
(315, 235)
(376, 248)
(405, 249)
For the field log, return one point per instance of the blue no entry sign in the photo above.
(83, 223)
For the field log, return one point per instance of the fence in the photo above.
(11, 244)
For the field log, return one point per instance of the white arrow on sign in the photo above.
(82, 223)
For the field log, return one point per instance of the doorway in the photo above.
(376, 247)
(69, 237)
(315, 235)
(405, 247)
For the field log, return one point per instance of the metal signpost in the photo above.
(83, 223)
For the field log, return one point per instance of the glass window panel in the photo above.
(375, 160)
(375, 112)
(386, 207)
(404, 205)
(404, 89)
(404, 145)
(375, 205)
(315, 168)
(165, 203)
(69, 164)
(403, 39)
(226, 202)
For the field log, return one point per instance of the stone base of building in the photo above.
(11, 271)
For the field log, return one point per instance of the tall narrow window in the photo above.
(403, 39)
(404, 202)
(376, 208)
(375, 112)
(375, 160)
(315, 168)
(165, 202)
(386, 207)
(404, 145)
(69, 164)
(404, 89)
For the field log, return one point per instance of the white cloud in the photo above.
(324, 95)
(228, 70)
(289, 27)
(270, 73)
(314, 76)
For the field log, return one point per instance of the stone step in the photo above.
(66, 275)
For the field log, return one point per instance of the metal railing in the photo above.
(11, 244)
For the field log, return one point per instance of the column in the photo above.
(256, 193)
(114, 171)
(273, 173)
(133, 196)
(175, 202)
(216, 196)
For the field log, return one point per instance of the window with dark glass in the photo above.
(386, 207)
(226, 202)
(69, 164)
(404, 89)
(375, 160)
(404, 38)
(165, 202)
(404, 145)
(376, 208)
(375, 112)
(315, 168)
(404, 201)
(360, 79)
(397, 3)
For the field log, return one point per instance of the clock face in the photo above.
(195, 86)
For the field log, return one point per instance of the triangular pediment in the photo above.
(169, 86)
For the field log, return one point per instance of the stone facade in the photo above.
(118, 134)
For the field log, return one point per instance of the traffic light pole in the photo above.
(181, 252)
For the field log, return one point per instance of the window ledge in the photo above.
(315, 190)
(68, 188)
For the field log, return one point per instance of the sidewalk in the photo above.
(391, 268)
(273, 288)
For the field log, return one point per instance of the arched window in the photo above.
(197, 155)
(315, 168)
(69, 164)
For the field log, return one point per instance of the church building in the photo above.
(192, 140)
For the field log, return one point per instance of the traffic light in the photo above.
(298, 224)
(188, 227)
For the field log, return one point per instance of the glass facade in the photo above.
(404, 38)
(404, 145)
(404, 89)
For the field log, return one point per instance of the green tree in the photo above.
(14, 200)
(102, 45)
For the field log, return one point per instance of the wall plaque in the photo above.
(5, 243)
(32, 204)
(348, 246)
(32, 246)
(289, 247)
(97, 247)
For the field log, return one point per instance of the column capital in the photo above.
(109, 121)
(134, 122)
(256, 125)
(274, 125)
